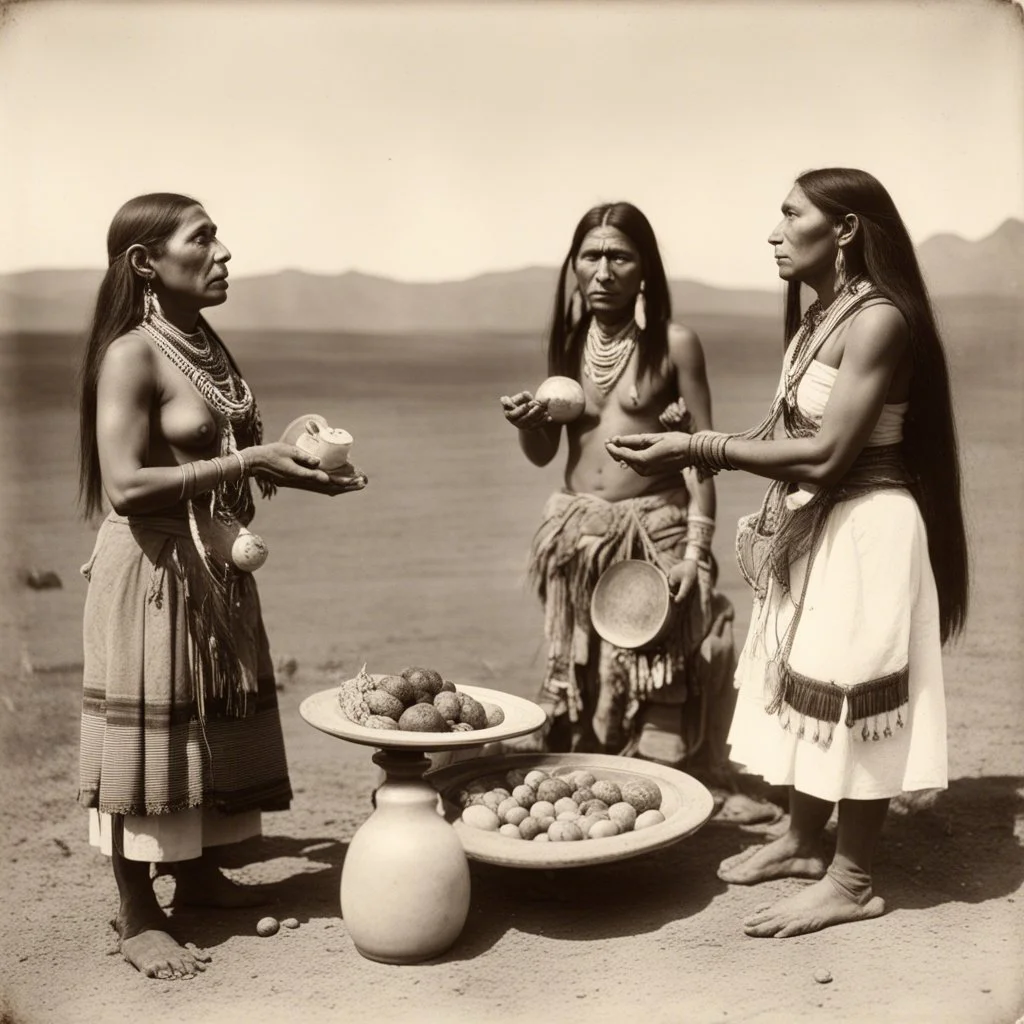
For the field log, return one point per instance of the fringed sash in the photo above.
(213, 584)
(771, 540)
(822, 702)
(220, 612)
(815, 329)
(580, 537)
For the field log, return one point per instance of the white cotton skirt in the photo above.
(167, 838)
(871, 608)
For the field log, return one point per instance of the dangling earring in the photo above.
(640, 309)
(148, 302)
(576, 307)
(840, 270)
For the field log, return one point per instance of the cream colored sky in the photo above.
(434, 141)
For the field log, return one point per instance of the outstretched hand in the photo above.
(290, 466)
(283, 463)
(342, 481)
(524, 412)
(648, 454)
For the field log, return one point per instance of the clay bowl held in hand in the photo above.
(330, 444)
(564, 398)
(300, 425)
(312, 433)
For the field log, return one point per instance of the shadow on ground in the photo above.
(960, 845)
(308, 893)
(631, 897)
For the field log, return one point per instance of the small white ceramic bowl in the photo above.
(330, 444)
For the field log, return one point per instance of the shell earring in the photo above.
(640, 309)
(148, 302)
(840, 270)
(576, 307)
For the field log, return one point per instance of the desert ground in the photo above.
(427, 567)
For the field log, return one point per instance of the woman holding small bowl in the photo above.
(181, 744)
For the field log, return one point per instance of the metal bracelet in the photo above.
(700, 531)
(241, 463)
(709, 457)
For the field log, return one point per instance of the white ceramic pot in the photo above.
(405, 883)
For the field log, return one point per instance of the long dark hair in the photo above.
(147, 220)
(883, 251)
(565, 339)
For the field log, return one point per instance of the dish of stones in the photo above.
(686, 805)
(323, 712)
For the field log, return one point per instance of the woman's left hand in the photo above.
(343, 482)
(647, 454)
(681, 579)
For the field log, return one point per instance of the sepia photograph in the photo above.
(512, 511)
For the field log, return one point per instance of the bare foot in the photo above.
(781, 858)
(156, 954)
(818, 906)
(203, 885)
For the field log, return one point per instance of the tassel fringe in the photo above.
(793, 695)
(220, 676)
(580, 537)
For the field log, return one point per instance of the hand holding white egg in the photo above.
(563, 398)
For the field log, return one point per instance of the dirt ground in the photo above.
(657, 938)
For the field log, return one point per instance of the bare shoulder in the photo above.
(129, 351)
(130, 361)
(881, 316)
(876, 328)
(684, 347)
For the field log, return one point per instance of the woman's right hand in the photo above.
(677, 417)
(524, 412)
(284, 464)
(648, 454)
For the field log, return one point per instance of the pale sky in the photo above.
(429, 141)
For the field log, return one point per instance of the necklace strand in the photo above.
(605, 357)
(816, 325)
(204, 364)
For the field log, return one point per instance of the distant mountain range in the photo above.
(515, 300)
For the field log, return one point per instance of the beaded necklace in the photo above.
(204, 364)
(816, 326)
(605, 356)
(203, 361)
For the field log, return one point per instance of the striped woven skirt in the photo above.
(870, 613)
(145, 752)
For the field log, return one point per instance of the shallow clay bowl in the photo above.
(631, 604)
(297, 427)
(323, 712)
(685, 802)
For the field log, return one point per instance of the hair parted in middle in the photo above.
(565, 339)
